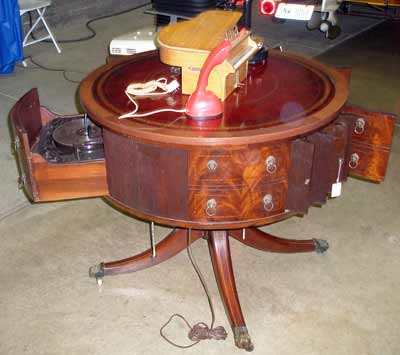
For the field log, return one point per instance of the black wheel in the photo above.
(333, 32)
(325, 26)
(314, 22)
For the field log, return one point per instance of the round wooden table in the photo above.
(262, 162)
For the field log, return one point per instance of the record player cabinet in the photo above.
(219, 182)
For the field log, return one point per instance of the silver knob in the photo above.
(270, 164)
(360, 126)
(268, 202)
(354, 161)
(212, 165)
(211, 207)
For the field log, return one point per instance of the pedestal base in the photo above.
(218, 242)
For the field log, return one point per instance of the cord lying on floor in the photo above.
(81, 39)
(199, 331)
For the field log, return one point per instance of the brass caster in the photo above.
(97, 272)
(321, 245)
(242, 338)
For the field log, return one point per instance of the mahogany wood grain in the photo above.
(147, 177)
(206, 225)
(305, 96)
(320, 179)
(299, 178)
(378, 129)
(171, 245)
(24, 160)
(260, 240)
(218, 242)
(243, 166)
(372, 163)
(26, 115)
(339, 158)
(56, 182)
(371, 142)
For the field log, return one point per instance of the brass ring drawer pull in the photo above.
(212, 165)
(360, 126)
(354, 161)
(268, 202)
(211, 207)
(270, 164)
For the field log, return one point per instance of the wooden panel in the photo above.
(244, 166)
(26, 115)
(368, 162)
(320, 178)
(340, 132)
(372, 127)
(215, 204)
(254, 204)
(24, 158)
(203, 33)
(149, 178)
(371, 142)
(69, 181)
(44, 181)
(301, 163)
(237, 202)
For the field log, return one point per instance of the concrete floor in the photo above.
(344, 302)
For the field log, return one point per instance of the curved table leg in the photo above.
(218, 242)
(171, 245)
(258, 239)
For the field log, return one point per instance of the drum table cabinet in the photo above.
(286, 141)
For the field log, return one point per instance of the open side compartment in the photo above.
(370, 143)
(357, 143)
(47, 179)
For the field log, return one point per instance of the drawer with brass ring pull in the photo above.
(247, 166)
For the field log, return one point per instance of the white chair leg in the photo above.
(25, 42)
(48, 29)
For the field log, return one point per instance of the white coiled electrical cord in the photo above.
(149, 89)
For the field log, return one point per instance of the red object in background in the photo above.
(203, 104)
(267, 7)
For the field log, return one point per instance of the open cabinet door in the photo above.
(50, 181)
(371, 142)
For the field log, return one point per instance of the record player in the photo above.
(60, 157)
(72, 139)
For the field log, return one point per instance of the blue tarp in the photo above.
(10, 35)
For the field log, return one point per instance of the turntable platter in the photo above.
(71, 139)
(74, 133)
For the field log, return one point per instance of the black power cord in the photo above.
(81, 39)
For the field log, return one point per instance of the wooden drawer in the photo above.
(373, 128)
(215, 204)
(371, 143)
(265, 200)
(368, 162)
(248, 166)
(42, 180)
(240, 202)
